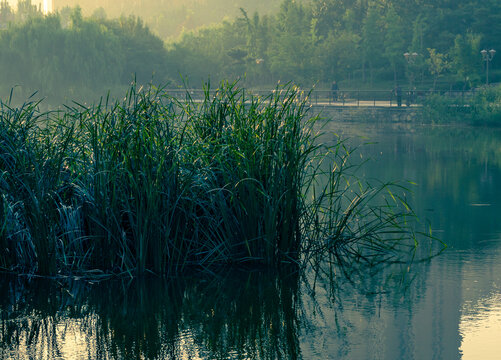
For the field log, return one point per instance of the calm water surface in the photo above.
(446, 308)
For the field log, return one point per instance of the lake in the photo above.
(448, 307)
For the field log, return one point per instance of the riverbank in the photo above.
(372, 114)
(481, 107)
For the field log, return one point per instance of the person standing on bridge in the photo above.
(398, 93)
(334, 90)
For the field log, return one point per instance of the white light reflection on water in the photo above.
(67, 339)
(480, 328)
(480, 324)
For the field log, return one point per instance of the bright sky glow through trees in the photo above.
(45, 5)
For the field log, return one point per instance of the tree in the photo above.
(26, 10)
(340, 55)
(466, 59)
(395, 40)
(6, 14)
(437, 64)
(291, 48)
(372, 39)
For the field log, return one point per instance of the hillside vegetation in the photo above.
(358, 43)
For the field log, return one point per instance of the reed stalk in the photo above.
(157, 184)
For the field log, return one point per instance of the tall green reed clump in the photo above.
(127, 178)
(31, 161)
(153, 183)
(250, 156)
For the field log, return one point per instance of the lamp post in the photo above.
(487, 57)
(410, 58)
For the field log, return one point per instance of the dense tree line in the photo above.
(364, 40)
(66, 56)
(357, 42)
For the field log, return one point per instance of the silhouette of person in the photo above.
(398, 94)
(334, 90)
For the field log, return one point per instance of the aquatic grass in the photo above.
(253, 153)
(360, 222)
(31, 161)
(152, 183)
(131, 183)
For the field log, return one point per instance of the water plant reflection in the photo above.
(252, 315)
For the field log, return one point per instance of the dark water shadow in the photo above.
(236, 315)
(231, 315)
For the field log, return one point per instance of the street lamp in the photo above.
(410, 57)
(487, 57)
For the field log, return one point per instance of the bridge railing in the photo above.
(365, 98)
(377, 98)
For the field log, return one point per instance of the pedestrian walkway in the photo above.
(363, 103)
(347, 98)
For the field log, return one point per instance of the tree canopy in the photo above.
(324, 40)
(308, 42)
(169, 18)
(65, 56)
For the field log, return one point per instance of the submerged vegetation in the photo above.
(158, 184)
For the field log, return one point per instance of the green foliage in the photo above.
(6, 14)
(487, 106)
(153, 183)
(480, 108)
(336, 54)
(438, 64)
(291, 48)
(31, 164)
(466, 59)
(67, 56)
(74, 61)
(395, 41)
(372, 36)
(169, 19)
(337, 39)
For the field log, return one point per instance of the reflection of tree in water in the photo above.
(239, 316)
(456, 169)
(353, 310)
(255, 314)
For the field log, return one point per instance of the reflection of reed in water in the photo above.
(249, 315)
